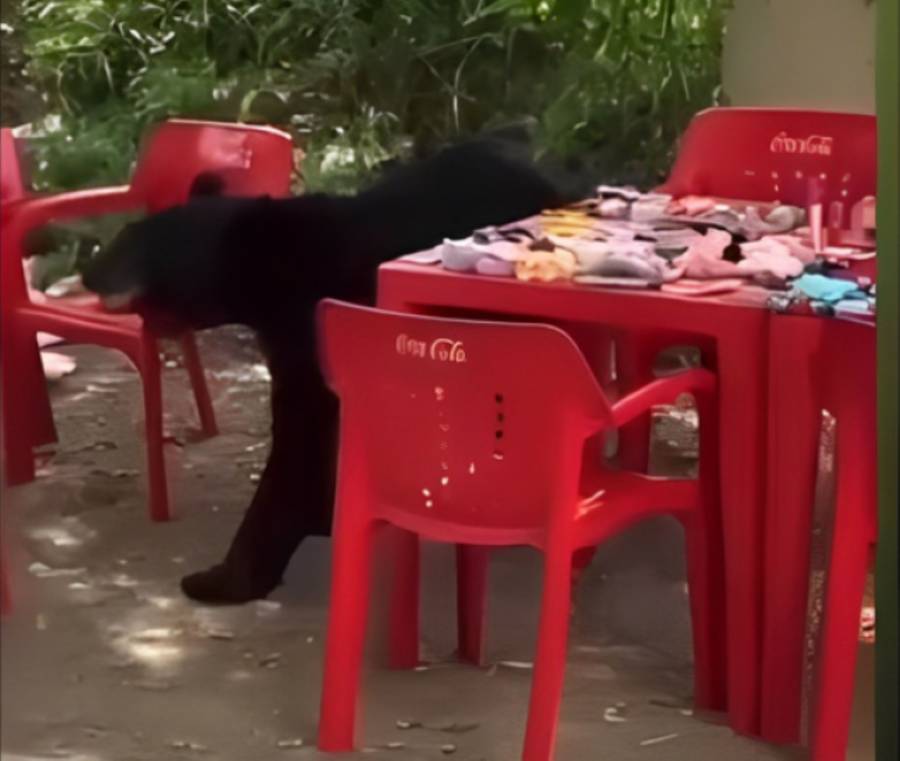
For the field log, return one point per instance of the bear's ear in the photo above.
(207, 184)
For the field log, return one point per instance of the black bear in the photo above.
(266, 263)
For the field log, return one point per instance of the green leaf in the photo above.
(360, 82)
(497, 6)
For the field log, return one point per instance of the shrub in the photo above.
(359, 82)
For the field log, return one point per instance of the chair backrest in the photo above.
(453, 422)
(13, 286)
(762, 154)
(12, 184)
(250, 160)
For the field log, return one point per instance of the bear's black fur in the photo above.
(266, 263)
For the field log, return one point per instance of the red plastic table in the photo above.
(732, 331)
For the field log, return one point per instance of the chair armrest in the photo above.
(21, 216)
(660, 392)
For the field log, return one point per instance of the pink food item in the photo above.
(691, 205)
(797, 247)
(689, 287)
(769, 257)
(431, 256)
(614, 208)
(847, 254)
(613, 282)
(703, 259)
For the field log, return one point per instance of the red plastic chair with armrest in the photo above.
(12, 190)
(473, 433)
(251, 161)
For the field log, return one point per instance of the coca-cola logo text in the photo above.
(439, 350)
(817, 144)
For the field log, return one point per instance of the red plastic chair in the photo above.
(753, 154)
(251, 161)
(473, 433)
(769, 154)
(818, 364)
(12, 189)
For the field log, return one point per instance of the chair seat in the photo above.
(609, 500)
(617, 485)
(82, 306)
(83, 319)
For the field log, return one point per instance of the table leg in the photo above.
(742, 376)
(794, 421)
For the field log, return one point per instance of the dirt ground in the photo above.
(104, 660)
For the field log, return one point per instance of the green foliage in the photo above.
(363, 81)
(18, 101)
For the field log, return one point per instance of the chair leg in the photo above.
(471, 601)
(403, 624)
(854, 515)
(18, 388)
(346, 635)
(151, 379)
(550, 663)
(197, 375)
(704, 545)
(5, 595)
(41, 411)
(582, 559)
(705, 571)
(19, 456)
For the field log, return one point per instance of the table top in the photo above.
(748, 296)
